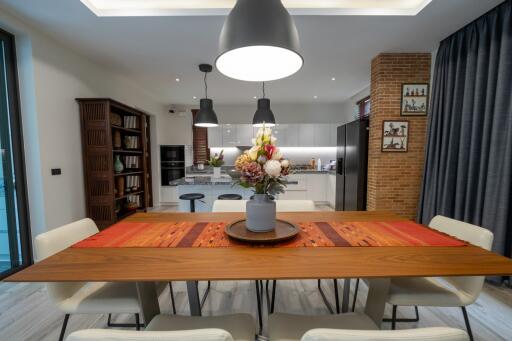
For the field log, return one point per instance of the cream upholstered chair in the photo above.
(351, 327)
(239, 327)
(81, 297)
(422, 334)
(445, 291)
(281, 205)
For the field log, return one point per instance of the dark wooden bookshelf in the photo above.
(101, 120)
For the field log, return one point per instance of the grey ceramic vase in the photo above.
(261, 214)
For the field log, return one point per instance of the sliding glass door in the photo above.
(14, 226)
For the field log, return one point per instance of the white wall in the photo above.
(51, 77)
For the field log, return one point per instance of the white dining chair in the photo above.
(83, 297)
(237, 327)
(422, 334)
(444, 291)
(350, 326)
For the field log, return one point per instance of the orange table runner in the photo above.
(313, 234)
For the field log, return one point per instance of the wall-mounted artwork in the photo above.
(414, 99)
(395, 136)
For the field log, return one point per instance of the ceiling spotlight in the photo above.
(194, 97)
(255, 97)
(333, 78)
(315, 97)
(178, 80)
(259, 42)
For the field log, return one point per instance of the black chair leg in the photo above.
(274, 284)
(466, 320)
(258, 299)
(393, 319)
(137, 321)
(416, 319)
(336, 296)
(355, 295)
(173, 303)
(63, 329)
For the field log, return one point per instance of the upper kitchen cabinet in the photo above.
(307, 135)
(245, 133)
(322, 133)
(229, 135)
(215, 136)
(286, 134)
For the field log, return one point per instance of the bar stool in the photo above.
(229, 197)
(192, 197)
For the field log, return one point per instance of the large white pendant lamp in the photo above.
(259, 42)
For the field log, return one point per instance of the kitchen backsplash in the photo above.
(296, 155)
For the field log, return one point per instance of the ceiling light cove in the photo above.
(112, 8)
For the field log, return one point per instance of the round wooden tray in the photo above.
(284, 231)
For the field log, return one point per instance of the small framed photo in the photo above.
(395, 136)
(414, 99)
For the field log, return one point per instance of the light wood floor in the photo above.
(27, 314)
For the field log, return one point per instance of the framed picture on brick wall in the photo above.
(414, 99)
(395, 136)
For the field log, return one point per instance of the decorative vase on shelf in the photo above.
(118, 165)
(261, 214)
(216, 172)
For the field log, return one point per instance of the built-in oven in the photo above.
(172, 163)
(171, 173)
(172, 154)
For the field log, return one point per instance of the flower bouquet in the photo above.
(216, 161)
(263, 168)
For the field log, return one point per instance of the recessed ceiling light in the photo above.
(222, 7)
(315, 97)
(194, 97)
(333, 78)
(178, 80)
(255, 97)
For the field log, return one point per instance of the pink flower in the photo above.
(251, 172)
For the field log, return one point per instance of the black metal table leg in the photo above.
(194, 300)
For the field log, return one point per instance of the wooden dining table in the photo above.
(147, 265)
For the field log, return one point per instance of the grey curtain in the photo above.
(468, 167)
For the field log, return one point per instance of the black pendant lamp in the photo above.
(206, 117)
(259, 42)
(264, 115)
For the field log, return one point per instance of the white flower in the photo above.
(285, 163)
(273, 168)
(273, 140)
(253, 141)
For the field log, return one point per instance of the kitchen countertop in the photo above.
(208, 180)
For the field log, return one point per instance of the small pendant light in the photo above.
(206, 117)
(264, 115)
(259, 42)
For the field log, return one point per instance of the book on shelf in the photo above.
(130, 122)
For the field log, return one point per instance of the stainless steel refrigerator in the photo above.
(352, 166)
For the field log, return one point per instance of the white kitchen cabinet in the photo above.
(169, 195)
(215, 137)
(287, 135)
(322, 135)
(333, 135)
(229, 135)
(306, 133)
(316, 187)
(245, 133)
(331, 190)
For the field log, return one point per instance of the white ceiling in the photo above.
(154, 51)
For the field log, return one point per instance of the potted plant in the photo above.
(263, 169)
(216, 161)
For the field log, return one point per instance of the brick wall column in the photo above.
(394, 178)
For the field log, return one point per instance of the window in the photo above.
(15, 251)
